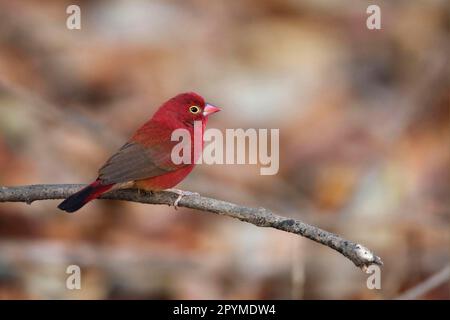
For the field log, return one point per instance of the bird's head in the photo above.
(187, 108)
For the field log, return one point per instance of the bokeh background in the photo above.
(364, 145)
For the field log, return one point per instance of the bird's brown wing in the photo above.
(147, 155)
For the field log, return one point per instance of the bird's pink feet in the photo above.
(181, 194)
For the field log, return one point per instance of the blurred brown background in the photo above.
(364, 145)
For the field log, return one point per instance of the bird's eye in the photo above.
(194, 109)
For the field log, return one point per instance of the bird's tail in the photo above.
(79, 199)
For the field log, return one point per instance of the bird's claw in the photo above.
(181, 194)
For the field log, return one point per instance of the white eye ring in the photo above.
(194, 109)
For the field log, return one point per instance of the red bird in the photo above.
(144, 162)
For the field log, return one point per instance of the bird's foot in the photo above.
(143, 192)
(181, 194)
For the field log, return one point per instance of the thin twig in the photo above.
(261, 217)
(426, 286)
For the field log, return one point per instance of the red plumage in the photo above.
(145, 162)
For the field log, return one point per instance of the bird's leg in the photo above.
(181, 194)
(139, 188)
(143, 191)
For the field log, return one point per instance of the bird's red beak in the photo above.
(210, 109)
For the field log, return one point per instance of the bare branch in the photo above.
(261, 217)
